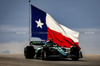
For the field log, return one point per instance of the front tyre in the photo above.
(29, 52)
(44, 53)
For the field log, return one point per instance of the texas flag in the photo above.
(44, 27)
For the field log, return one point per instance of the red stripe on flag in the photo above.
(60, 39)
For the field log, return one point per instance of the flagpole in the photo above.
(29, 22)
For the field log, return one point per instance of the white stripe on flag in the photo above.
(53, 25)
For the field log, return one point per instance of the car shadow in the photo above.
(65, 59)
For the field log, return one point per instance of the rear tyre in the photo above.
(29, 52)
(80, 54)
(75, 52)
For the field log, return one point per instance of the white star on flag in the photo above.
(39, 23)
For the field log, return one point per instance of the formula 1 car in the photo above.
(51, 50)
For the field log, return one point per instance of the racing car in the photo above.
(49, 50)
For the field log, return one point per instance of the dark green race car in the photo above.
(52, 50)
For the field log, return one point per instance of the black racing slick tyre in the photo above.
(75, 52)
(44, 53)
(29, 52)
(80, 54)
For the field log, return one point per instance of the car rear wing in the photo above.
(37, 42)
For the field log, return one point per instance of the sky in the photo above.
(79, 15)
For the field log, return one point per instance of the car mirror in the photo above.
(64, 46)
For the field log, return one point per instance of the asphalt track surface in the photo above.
(19, 60)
